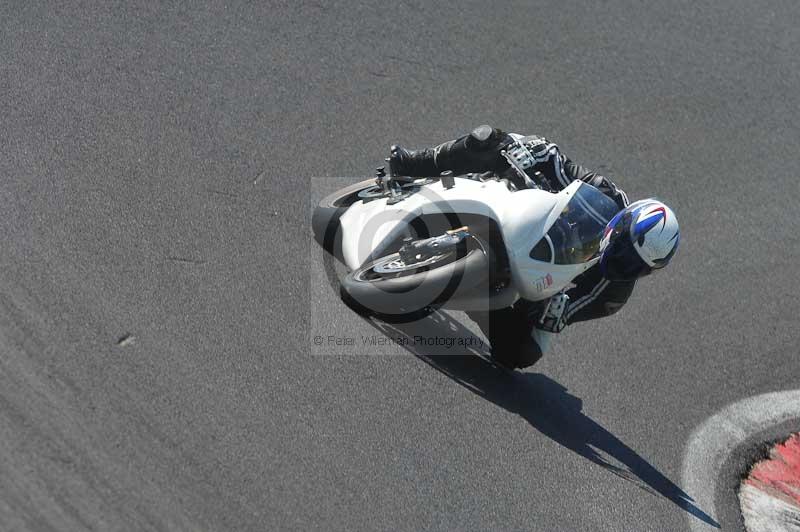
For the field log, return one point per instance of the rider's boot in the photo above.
(413, 162)
(477, 152)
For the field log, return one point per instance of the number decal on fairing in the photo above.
(542, 283)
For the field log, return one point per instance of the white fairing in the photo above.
(523, 217)
(525, 221)
(365, 226)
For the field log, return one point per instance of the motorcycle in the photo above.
(471, 242)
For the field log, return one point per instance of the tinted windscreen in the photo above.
(577, 232)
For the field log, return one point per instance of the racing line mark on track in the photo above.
(186, 260)
(715, 439)
(126, 340)
(222, 193)
(259, 177)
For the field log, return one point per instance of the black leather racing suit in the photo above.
(509, 329)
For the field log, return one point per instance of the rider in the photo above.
(641, 238)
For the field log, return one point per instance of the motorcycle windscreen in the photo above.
(574, 238)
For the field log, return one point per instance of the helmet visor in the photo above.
(621, 262)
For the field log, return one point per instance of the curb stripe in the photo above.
(719, 435)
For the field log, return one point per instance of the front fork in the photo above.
(420, 250)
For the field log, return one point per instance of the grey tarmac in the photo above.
(160, 289)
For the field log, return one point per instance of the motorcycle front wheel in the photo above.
(394, 291)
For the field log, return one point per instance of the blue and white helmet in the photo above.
(639, 239)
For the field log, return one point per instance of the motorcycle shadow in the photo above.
(541, 401)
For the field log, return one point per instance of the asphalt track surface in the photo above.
(159, 287)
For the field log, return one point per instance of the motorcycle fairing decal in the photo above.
(543, 283)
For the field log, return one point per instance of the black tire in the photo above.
(412, 296)
(325, 220)
(401, 317)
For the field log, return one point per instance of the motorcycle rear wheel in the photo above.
(325, 220)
